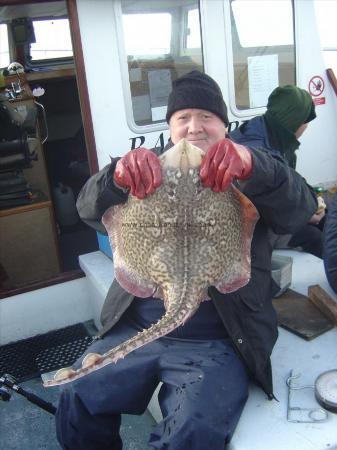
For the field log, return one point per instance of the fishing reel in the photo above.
(8, 384)
(5, 392)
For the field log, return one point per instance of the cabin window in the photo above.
(191, 35)
(263, 52)
(143, 43)
(159, 45)
(4, 47)
(52, 42)
(326, 13)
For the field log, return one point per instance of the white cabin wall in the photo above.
(43, 310)
(214, 46)
(103, 77)
(112, 134)
(317, 157)
(317, 160)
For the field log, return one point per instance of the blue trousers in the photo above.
(205, 387)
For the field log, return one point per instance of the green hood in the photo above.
(291, 106)
(288, 108)
(282, 140)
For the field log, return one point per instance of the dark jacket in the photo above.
(248, 315)
(255, 131)
(260, 133)
(330, 244)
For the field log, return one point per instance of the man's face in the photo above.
(301, 130)
(201, 128)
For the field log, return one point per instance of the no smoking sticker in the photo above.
(316, 86)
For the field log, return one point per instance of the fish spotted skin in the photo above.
(173, 245)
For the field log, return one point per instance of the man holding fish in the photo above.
(206, 363)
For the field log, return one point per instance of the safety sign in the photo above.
(316, 86)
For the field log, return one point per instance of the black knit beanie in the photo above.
(196, 90)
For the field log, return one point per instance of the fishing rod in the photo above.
(8, 384)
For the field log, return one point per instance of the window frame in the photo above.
(10, 56)
(184, 51)
(48, 62)
(123, 59)
(248, 112)
(122, 54)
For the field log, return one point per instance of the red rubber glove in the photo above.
(223, 162)
(139, 170)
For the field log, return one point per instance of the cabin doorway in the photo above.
(42, 237)
(67, 168)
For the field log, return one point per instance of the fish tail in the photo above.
(176, 314)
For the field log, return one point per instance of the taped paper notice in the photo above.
(141, 108)
(262, 78)
(160, 86)
(158, 113)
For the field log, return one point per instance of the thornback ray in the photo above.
(173, 245)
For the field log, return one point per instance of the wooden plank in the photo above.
(67, 72)
(62, 277)
(25, 78)
(322, 300)
(38, 200)
(300, 316)
(24, 208)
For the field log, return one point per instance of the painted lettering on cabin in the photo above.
(138, 141)
(135, 144)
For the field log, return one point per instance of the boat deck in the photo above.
(263, 424)
(24, 426)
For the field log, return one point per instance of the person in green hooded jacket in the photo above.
(289, 111)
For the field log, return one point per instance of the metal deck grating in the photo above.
(30, 357)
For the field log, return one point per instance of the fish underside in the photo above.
(173, 245)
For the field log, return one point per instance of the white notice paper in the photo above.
(262, 78)
(160, 86)
(158, 113)
(141, 108)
